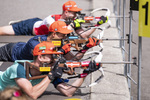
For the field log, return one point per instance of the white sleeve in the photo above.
(48, 21)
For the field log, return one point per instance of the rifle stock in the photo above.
(76, 43)
(29, 65)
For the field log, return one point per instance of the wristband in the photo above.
(82, 51)
(83, 75)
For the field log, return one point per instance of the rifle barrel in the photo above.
(114, 39)
(121, 62)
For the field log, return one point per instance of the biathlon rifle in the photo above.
(84, 65)
(69, 68)
(91, 17)
(75, 41)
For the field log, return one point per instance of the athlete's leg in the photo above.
(7, 30)
(5, 52)
(25, 27)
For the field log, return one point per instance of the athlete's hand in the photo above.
(91, 43)
(92, 67)
(77, 23)
(102, 20)
(57, 73)
(66, 48)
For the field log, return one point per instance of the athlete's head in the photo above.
(44, 51)
(70, 9)
(59, 29)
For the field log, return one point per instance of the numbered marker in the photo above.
(144, 18)
(146, 12)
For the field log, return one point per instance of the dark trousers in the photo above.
(5, 52)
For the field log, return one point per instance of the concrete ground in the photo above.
(114, 85)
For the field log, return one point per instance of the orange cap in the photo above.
(45, 48)
(59, 26)
(71, 6)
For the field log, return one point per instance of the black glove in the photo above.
(92, 67)
(102, 20)
(57, 73)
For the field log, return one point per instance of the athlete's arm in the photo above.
(33, 91)
(83, 33)
(69, 90)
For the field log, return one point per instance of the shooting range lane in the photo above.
(114, 84)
